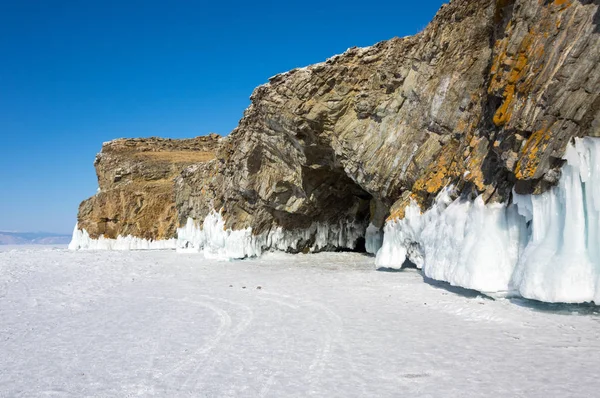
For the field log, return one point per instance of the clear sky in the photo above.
(74, 74)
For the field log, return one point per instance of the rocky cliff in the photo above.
(136, 186)
(486, 98)
(455, 125)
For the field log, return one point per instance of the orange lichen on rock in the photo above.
(503, 114)
(516, 77)
(519, 69)
(440, 172)
(562, 3)
(398, 209)
(529, 160)
(474, 162)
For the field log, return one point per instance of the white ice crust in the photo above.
(82, 241)
(216, 242)
(544, 247)
(373, 239)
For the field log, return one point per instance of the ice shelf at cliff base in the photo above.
(216, 242)
(544, 247)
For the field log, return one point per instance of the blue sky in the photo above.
(76, 73)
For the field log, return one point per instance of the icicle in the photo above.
(216, 242)
(561, 262)
(373, 239)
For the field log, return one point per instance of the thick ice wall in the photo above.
(561, 262)
(463, 242)
(473, 245)
(401, 238)
(544, 247)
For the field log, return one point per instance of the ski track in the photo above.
(161, 324)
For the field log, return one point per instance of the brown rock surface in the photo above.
(485, 98)
(136, 186)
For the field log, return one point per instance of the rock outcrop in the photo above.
(136, 194)
(472, 142)
(485, 99)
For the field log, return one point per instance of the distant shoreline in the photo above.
(33, 238)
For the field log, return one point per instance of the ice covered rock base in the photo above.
(216, 242)
(544, 247)
(81, 240)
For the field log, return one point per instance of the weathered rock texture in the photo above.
(136, 186)
(486, 98)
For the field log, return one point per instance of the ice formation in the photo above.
(544, 247)
(82, 241)
(217, 242)
(562, 260)
(373, 239)
(463, 242)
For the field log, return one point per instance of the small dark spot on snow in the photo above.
(243, 287)
(259, 287)
(414, 375)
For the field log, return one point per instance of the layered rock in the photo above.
(448, 128)
(136, 195)
(486, 98)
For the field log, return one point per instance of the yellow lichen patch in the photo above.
(474, 163)
(529, 161)
(515, 76)
(440, 172)
(562, 4)
(398, 210)
(504, 113)
(461, 126)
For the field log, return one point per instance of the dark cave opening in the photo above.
(361, 247)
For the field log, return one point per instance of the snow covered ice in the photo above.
(163, 324)
(544, 247)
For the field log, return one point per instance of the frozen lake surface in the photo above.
(126, 324)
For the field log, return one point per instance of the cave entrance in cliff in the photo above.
(339, 200)
(361, 246)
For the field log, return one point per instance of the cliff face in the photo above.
(136, 186)
(486, 98)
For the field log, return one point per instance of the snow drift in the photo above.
(544, 247)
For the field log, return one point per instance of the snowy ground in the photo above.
(121, 324)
